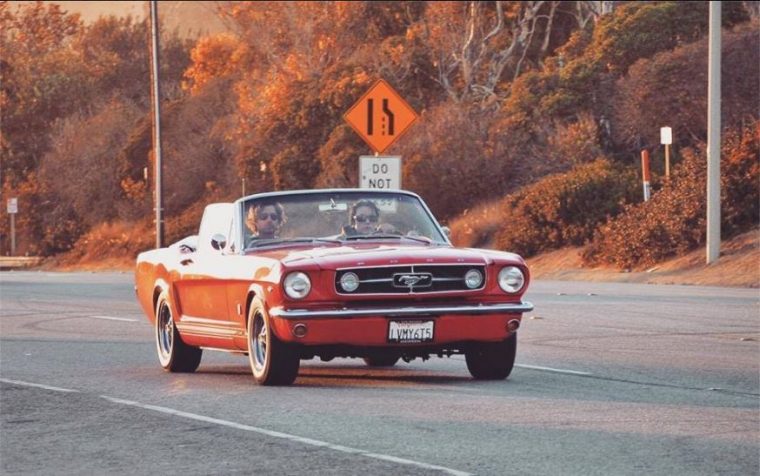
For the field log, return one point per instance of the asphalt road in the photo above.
(610, 379)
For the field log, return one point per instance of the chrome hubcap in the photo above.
(259, 341)
(165, 330)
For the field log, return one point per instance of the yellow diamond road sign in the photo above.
(381, 116)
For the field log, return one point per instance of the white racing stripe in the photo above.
(549, 369)
(37, 385)
(109, 318)
(286, 436)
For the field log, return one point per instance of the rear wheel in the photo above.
(173, 354)
(381, 361)
(492, 360)
(272, 362)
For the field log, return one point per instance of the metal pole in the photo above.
(156, 93)
(645, 176)
(713, 136)
(13, 234)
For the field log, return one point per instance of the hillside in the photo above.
(537, 135)
(739, 265)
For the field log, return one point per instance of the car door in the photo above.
(201, 284)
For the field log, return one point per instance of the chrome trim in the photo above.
(207, 331)
(402, 311)
(390, 280)
(411, 290)
(207, 322)
(398, 265)
(228, 351)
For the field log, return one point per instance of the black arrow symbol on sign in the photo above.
(389, 115)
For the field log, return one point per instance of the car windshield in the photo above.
(337, 217)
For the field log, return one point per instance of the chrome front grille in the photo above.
(410, 279)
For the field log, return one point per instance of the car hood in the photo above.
(373, 254)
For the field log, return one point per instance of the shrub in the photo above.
(577, 142)
(81, 171)
(564, 209)
(674, 220)
(641, 29)
(446, 160)
(475, 228)
(338, 159)
(669, 89)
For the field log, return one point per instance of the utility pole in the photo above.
(156, 94)
(713, 136)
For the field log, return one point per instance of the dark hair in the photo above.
(253, 212)
(359, 204)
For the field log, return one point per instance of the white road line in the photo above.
(109, 318)
(286, 436)
(37, 385)
(549, 369)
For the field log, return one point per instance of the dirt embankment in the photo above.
(739, 265)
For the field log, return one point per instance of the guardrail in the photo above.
(13, 262)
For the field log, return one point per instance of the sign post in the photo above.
(12, 210)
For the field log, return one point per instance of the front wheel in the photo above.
(173, 354)
(492, 360)
(272, 362)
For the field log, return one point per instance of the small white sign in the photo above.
(380, 173)
(666, 135)
(12, 206)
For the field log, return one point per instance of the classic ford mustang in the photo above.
(296, 275)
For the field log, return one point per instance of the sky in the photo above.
(190, 17)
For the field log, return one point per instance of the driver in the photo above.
(265, 219)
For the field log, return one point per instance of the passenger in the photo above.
(265, 220)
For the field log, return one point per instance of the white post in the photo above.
(713, 136)
(13, 234)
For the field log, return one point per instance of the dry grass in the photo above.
(114, 247)
(110, 246)
(739, 265)
(476, 228)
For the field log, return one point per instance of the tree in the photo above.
(669, 89)
(473, 43)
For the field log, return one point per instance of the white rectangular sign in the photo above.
(380, 173)
(666, 135)
(12, 206)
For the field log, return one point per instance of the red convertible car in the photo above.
(296, 275)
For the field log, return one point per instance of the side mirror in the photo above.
(218, 241)
(446, 231)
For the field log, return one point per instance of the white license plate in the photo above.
(410, 331)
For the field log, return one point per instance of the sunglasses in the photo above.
(366, 218)
(264, 215)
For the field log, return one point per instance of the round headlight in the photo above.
(297, 285)
(473, 279)
(349, 282)
(511, 279)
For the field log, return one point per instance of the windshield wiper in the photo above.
(277, 241)
(390, 235)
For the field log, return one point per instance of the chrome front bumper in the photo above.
(409, 311)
